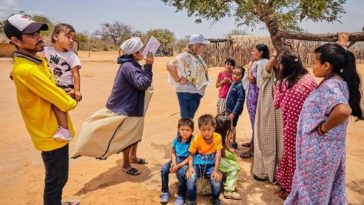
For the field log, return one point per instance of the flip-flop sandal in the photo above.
(131, 171)
(258, 178)
(140, 161)
(246, 144)
(232, 195)
(246, 155)
(71, 202)
(283, 194)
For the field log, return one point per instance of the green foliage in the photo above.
(288, 13)
(165, 36)
(2, 26)
(82, 38)
(115, 32)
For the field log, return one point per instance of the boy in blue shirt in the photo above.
(179, 161)
(235, 101)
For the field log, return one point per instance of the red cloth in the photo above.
(291, 101)
(224, 88)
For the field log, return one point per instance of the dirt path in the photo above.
(101, 182)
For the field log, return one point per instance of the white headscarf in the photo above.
(131, 45)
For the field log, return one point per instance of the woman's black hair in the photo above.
(263, 48)
(223, 125)
(343, 63)
(231, 61)
(292, 68)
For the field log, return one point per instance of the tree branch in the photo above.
(239, 2)
(328, 37)
(271, 3)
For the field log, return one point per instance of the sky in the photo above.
(88, 15)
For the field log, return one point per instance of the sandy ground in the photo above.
(101, 182)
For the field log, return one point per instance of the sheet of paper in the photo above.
(152, 46)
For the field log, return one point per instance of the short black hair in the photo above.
(241, 68)
(206, 119)
(186, 122)
(231, 61)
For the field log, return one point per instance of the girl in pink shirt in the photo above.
(224, 81)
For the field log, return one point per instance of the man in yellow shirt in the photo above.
(36, 93)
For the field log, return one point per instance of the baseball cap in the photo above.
(197, 38)
(19, 24)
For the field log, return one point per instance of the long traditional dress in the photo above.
(290, 101)
(268, 145)
(253, 91)
(319, 177)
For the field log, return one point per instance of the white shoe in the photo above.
(62, 134)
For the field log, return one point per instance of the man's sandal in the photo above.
(232, 195)
(131, 171)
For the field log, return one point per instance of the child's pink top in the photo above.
(224, 88)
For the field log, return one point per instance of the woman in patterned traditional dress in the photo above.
(268, 128)
(319, 177)
(259, 56)
(292, 88)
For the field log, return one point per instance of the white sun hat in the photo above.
(196, 39)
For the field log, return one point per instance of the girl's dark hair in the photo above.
(231, 61)
(263, 48)
(186, 122)
(223, 125)
(292, 67)
(59, 28)
(206, 119)
(343, 63)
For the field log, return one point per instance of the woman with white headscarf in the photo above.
(119, 125)
(188, 72)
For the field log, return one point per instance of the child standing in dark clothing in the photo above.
(179, 161)
(235, 100)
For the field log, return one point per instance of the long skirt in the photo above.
(105, 133)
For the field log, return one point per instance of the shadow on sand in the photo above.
(115, 176)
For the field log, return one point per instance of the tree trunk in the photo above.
(328, 37)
